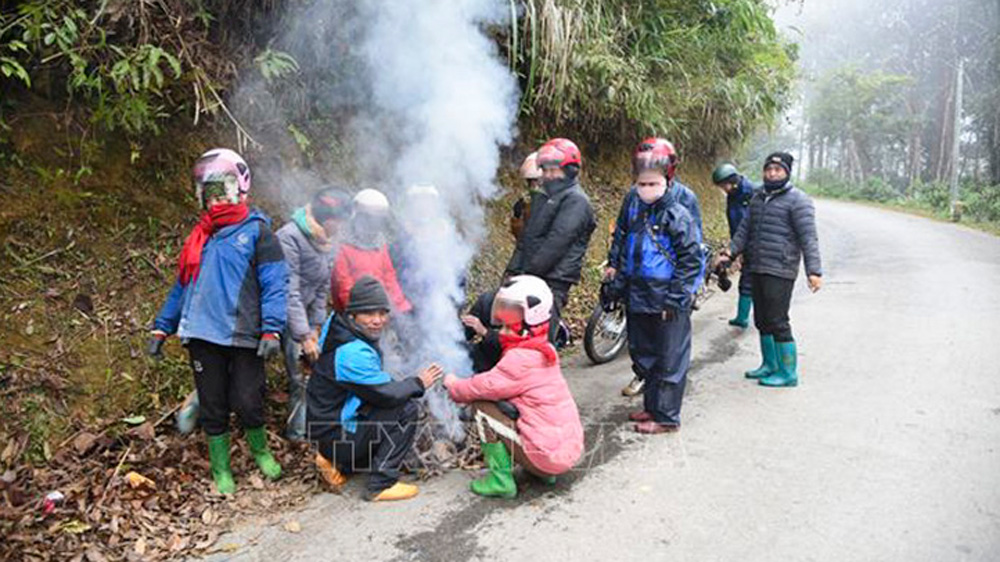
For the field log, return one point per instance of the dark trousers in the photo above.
(228, 379)
(661, 356)
(379, 445)
(746, 283)
(560, 297)
(772, 297)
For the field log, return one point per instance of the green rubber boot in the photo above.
(788, 360)
(769, 365)
(742, 319)
(499, 483)
(257, 439)
(218, 454)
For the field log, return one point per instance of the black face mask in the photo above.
(555, 186)
(775, 185)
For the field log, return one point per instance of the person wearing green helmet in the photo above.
(739, 190)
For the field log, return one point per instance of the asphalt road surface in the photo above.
(889, 449)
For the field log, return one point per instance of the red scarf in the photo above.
(215, 218)
(536, 338)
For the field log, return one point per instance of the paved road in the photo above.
(888, 450)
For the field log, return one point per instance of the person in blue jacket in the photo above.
(656, 259)
(359, 416)
(739, 190)
(687, 198)
(228, 308)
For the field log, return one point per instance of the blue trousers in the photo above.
(661, 356)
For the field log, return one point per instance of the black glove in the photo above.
(155, 347)
(611, 294)
(269, 346)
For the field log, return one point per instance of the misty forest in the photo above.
(105, 105)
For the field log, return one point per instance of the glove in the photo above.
(155, 348)
(269, 346)
(669, 314)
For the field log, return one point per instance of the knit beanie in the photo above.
(783, 159)
(367, 295)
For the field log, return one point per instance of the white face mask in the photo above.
(651, 193)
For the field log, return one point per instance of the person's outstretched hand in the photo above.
(430, 375)
(449, 379)
(474, 324)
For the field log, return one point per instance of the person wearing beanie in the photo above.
(361, 417)
(309, 242)
(739, 190)
(778, 234)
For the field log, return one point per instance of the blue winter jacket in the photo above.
(240, 290)
(738, 204)
(659, 275)
(348, 381)
(689, 200)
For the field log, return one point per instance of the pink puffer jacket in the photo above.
(549, 424)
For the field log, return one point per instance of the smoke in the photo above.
(390, 94)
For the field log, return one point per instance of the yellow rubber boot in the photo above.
(396, 492)
(329, 473)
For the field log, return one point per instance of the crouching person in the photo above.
(228, 307)
(540, 426)
(657, 249)
(360, 418)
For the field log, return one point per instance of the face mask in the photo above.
(775, 185)
(651, 194)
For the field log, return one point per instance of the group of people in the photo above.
(326, 286)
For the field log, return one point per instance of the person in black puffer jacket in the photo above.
(778, 234)
(557, 232)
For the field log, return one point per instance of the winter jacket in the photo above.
(354, 262)
(689, 200)
(555, 236)
(738, 204)
(659, 275)
(549, 423)
(239, 293)
(348, 382)
(778, 234)
(309, 271)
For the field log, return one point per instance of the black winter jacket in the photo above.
(778, 233)
(556, 236)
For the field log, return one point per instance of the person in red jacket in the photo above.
(523, 406)
(366, 252)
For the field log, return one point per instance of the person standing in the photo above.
(658, 252)
(521, 210)
(308, 242)
(686, 198)
(779, 233)
(360, 417)
(228, 306)
(739, 190)
(557, 232)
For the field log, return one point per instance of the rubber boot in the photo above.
(257, 439)
(499, 483)
(742, 319)
(787, 374)
(218, 454)
(769, 365)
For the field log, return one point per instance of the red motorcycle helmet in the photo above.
(559, 153)
(655, 154)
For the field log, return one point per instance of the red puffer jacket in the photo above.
(353, 263)
(549, 424)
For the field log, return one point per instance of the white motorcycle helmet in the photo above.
(528, 293)
(372, 202)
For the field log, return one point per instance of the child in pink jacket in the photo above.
(545, 436)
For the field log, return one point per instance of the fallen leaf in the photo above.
(136, 480)
(73, 527)
(94, 555)
(84, 442)
(178, 543)
(140, 546)
(134, 420)
(257, 482)
(293, 526)
(145, 432)
(207, 516)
